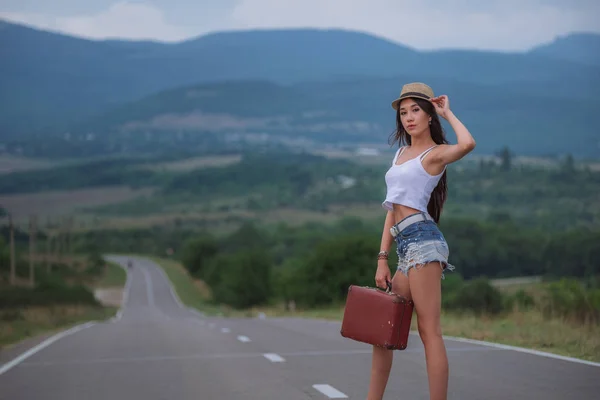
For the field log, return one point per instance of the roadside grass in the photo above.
(529, 329)
(114, 276)
(22, 323)
(522, 328)
(192, 292)
(19, 323)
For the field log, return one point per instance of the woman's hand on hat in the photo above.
(441, 105)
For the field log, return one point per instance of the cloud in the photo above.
(426, 24)
(32, 19)
(121, 20)
(508, 25)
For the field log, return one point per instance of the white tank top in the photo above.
(409, 184)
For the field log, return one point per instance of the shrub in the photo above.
(568, 298)
(242, 279)
(478, 296)
(323, 278)
(46, 293)
(523, 300)
(95, 264)
(451, 286)
(196, 254)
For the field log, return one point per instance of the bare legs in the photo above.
(381, 364)
(423, 285)
(426, 289)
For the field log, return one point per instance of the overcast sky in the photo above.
(424, 24)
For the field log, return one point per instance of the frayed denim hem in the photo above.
(420, 253)
(444, 265)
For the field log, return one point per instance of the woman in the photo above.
(416, 191)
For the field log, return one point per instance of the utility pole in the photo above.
(49, 239)
(58, 241)
(69, 241)
(13, 277)
(32, 237)
(48, 251)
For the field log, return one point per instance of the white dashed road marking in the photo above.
(149, 289)
(274, 357)
(243, 339)
(225, 330)
(330, 391)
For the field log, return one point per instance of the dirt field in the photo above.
(109, 297)
(190, 164)
(298, 217)
(51, 204)
(9, 163)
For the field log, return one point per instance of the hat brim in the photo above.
(418, 95)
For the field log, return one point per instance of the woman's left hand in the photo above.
(441, 105)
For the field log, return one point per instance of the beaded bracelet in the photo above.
(382, 255)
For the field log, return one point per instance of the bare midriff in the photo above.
(401, 212)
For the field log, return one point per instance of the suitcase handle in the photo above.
(389, 285)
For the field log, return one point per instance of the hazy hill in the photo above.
(51, 80)
(578, 47)
(353, 110)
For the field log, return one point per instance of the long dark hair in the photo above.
(440, 193)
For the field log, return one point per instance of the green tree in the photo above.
(197, 252)
(506, 157)
(242, 279)
(478, 296)
(325, 276)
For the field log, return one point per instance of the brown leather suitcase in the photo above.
(377, 317)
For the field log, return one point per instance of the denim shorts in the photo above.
(420, 243)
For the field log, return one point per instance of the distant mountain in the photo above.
(352, 111)
(578, 47)
(48, 78)
(50, 81)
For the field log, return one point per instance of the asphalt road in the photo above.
(158, 349)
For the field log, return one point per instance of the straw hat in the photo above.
(415, 89)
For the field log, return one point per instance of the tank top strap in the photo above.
(398, 154)
(423, 154)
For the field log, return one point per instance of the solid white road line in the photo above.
(173, 293)
(43, 345)
(522, 350)
(198, 313)
(274, 357)
(119, 315)
(330, 391)
(243, 339)
(127, 287)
